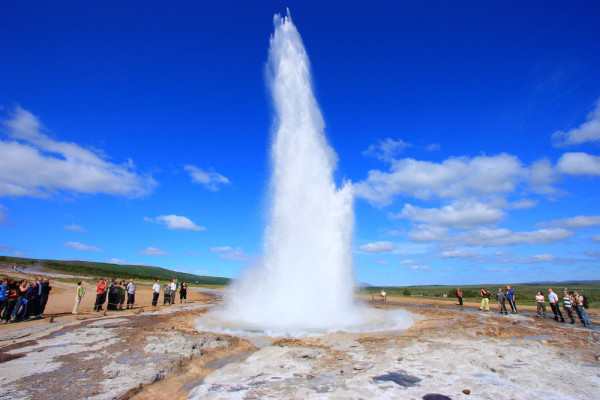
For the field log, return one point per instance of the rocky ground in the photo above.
(159, 354)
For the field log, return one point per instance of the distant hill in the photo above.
(98, 269)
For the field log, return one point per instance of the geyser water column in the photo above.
(305, 281)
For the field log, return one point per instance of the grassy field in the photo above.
(525, 292)
(137, 272)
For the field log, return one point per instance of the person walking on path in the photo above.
(459, 295)
(501, 297)
(541, 304)
(130, 294)
(512, 298)
(155, 292)
(553, 300)
(78, 296)
(568, 305)
(485, 300)
(100, 295)
(580, 309)
(183, 293)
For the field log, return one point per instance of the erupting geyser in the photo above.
(305, 281)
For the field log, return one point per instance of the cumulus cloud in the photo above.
(458, 177)
(460, 214)
(419, 268)
(578, 164)
(176, 222)
(581, 221)
(75, 228)
(459, 254)
(521, 204)
(378, 247)
(211, 179)
(589, 131)
(428, 233)
(153, 251)
(386, 150)
(33, 164)
(81, 246)
(230, 253)
(409, 262)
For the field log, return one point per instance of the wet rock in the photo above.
(400, 378)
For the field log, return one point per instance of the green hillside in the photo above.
(97, 269)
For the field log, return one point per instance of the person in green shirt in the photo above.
(78, 297)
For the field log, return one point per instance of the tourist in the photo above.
(183, 293)
(501, 297)
(130, 294)
(174, 286)
(31, 300)
(167, 295)
(553, 300)
(383, 295)
(459, 295)
(578, 300)
(155, 292)
(36, 307)
(113, 296)
(568, 304)
(46, 288)
(485, 300)
(3, 294)
(100, 295)
(20, 306)
(78, 296)
(541, 304)
(512, 298)
(11, 299)
(122, 293)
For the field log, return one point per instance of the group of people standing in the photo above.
(571, 300)
(169, 293)
(23, 300)
(116, 293)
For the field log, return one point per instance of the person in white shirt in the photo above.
(130, 293)
(383, 294)
(155, 292)
(541, 304)
(173, 290)
(553, 300)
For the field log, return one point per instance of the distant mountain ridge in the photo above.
(99, 269)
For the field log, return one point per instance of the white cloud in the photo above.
(387, 149)
(176, 222)
(409, 262)
(589, 131)
(460, 214)
(378, 247)
(459, 254)
(458, 177)
(503, 237)
(230, 253)
(382, 262)
(153, 251)
(33, 164)
(578, 164)
(210, 179)
(596, 239)
(419, 268)
(521, 204)
(486, 237)
(75, 228)
(581, 221)
(115, 261)
(81, 246)
(434, 147)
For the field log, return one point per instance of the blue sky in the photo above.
(138, 132)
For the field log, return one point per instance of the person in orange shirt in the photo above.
(100, 295)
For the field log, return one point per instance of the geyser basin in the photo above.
(305, 282)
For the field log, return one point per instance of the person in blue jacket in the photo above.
(511, 297)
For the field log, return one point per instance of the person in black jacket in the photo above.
(46, 288)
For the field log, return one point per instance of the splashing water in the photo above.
(305, 281)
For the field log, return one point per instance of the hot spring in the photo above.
(305, 282)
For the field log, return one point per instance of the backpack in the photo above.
(585, 302)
